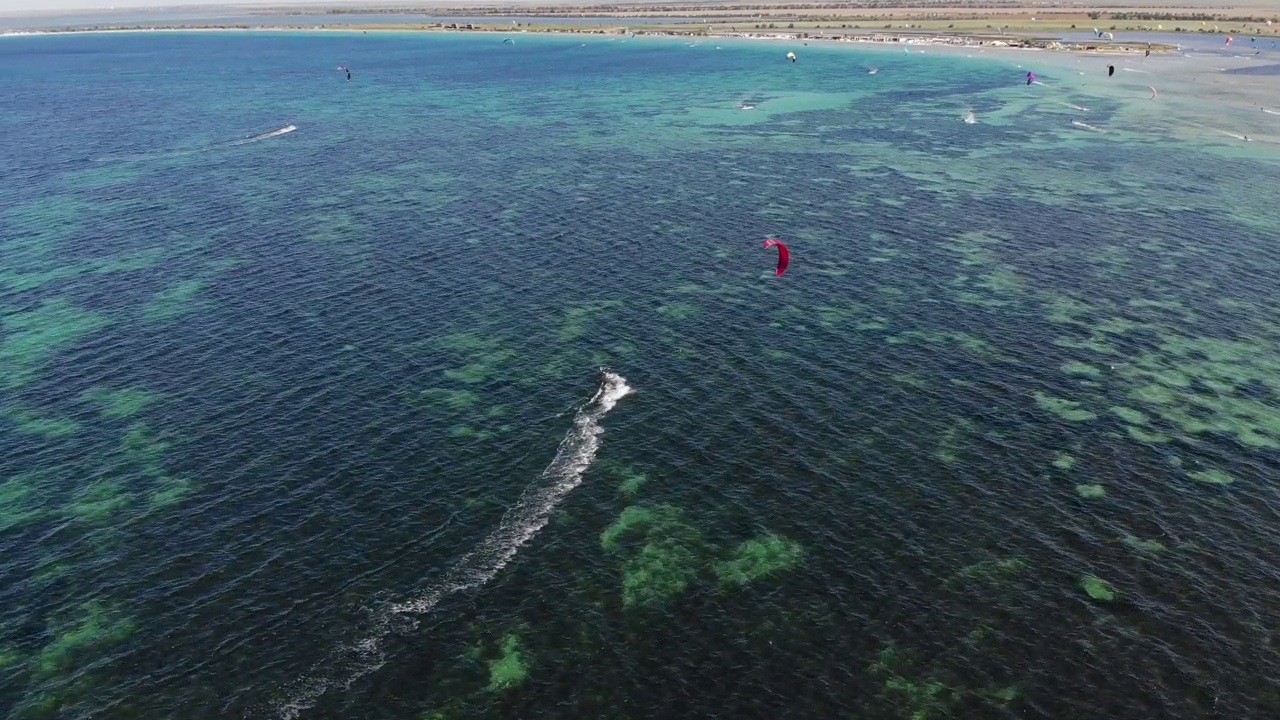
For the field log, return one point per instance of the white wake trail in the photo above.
(520, 523)
(268, 135)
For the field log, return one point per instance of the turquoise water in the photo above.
(238, 17)
(305, 424)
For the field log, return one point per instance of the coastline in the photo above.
(874, 37)
(1218, 101)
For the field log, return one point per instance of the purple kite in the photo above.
(1031, 77)
(784, 256)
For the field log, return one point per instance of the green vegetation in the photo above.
(122, 403)
(667, 560)
(755, 559)
(1201, 385)
(98, 502)
(448, 398)
(176, 301)
(995, 571)
(916, 699)
(1083, 369)
(482, 358)
(969, 343)
(1098, 589)
(1129, 415)
(141, 447)
(951, 441)
(33, 336)
(1068, 410)
(170, 491)
(1212, 476)
(97, 627)
(630, 480)
(509, 669)
(578, 318)
(19, 504)
(1148, 546)
(29, 423)
(678, 311)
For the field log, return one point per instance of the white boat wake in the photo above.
(195, 151)
(577, 450)
(268, 135)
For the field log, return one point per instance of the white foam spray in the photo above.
(1087, 126)
(268, 135)
(521, 522)
(1237, 136)
(194, 151)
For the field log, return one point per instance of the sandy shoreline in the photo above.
(875, 37)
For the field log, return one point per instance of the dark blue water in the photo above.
(304, 424)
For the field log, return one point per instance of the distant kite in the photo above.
(784, 257)
(791, 56)
(1154, 94)
(1111, 70)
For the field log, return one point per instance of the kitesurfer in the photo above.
(784, 256)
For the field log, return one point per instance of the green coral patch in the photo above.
(1148, 546)
(1129, 415)
(1212, 476)
(176, 301)
(1091, 491)
(122, 403)
(448, 398)
(678, 311)
(667, 560)
(33, 336)
(1097, 588)
(510, 668)
(29, 423)
(18, 503)
(1076, 367)
(1068, 410)
(98, 502)
(73, 642)
(1064, 462)
(756, 559)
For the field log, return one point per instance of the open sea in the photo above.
(466, 388)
